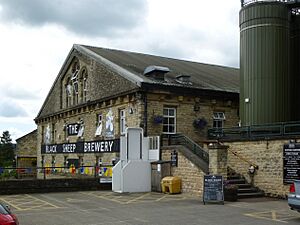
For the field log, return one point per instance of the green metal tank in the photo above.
(265, 63)
(295, 66)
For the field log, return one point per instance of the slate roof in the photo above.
(202, 76)
(32, 132)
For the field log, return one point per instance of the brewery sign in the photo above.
(103, 146)
(73, 129)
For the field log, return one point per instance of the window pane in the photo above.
(3, 210)
(172, 112)
(166, 112)
(165, 128)
(171, 129)
(171, 120)
(165, 121)
(215, 115)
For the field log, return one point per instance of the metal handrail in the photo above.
(21, 171)
(181, 139)
(255, 131)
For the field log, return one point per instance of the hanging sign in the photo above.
(291, 162)
(174, 158)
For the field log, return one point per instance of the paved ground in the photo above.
(107, 208)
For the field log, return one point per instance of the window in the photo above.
(69, 89)
(74, 80)
(84, 87)
(122, 121)
(99, 125)
(43, 130)
(169, 121)
(53, 133)
(218, 119)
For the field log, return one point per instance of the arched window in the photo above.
(84, 85)
(68, 91)
(74, 79)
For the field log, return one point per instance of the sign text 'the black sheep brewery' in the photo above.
(103, 146)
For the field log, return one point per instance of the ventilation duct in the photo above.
(184, 79)
(156, 72)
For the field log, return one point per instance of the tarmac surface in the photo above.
(108, 208)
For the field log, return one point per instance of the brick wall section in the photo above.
(185, 113)
(191, 175)
(185, 117)
(51, 185)
(268, 156)
(89, 116)
(26, 145)
(101, 83)
(27, 150)
(218, 159)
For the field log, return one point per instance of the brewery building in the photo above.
(100, 92)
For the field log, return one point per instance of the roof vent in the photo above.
(157, 72)
(184, 79)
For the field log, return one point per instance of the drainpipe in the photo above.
(145, 114)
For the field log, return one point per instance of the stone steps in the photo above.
(245, 190)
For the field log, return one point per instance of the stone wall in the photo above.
(26, 145)
(51, 185)
(89, 116)
(101, 83)
(268, 156)
(27, 150)
(191, 175)
(189, 108)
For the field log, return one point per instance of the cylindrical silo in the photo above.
(295, 66)
(264, 63)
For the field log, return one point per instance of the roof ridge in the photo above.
(165, 57)
(121, 70)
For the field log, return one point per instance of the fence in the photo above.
(181, 139)
(56, 172)
(275, 130)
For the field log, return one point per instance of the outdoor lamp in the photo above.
(251, 169)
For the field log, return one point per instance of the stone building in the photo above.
(99, 92)
(26, 151)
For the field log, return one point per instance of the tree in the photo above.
(5, 138)
(7, 154)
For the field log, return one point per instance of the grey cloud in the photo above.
(188, 41)
(11, 109)
(19, 93)
(86, 17)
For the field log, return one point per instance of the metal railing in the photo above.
(248, 2)
(55, 172)
(255, 131)
(180, 139)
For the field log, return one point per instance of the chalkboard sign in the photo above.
(213, 189)
(291, 162)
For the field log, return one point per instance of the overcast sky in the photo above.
(37, 35)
